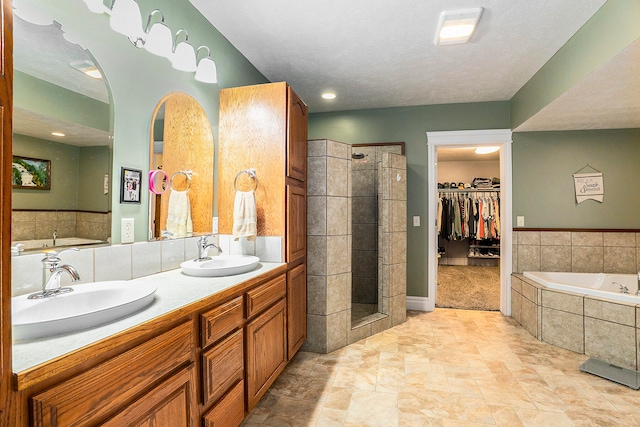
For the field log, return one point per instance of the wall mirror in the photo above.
(62, 119)
(181, 169)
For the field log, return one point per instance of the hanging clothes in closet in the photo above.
(469, 215)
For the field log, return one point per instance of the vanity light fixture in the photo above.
(126, 19)
(60, 134)
(87, 67)
(206, 72)
(184, 57)
(486, 150)
(159, 39)
(96, 6)
(329, 95)
(457, 26)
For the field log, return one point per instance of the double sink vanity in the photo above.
(199, 341)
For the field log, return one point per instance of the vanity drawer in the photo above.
(220, 321)
(265, 295)
(222, 366)
(105, 389)
(229, 412)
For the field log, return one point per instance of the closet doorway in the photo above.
(468, 216)
(470, 247)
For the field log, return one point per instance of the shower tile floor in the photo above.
(360, 311)
(446, 368)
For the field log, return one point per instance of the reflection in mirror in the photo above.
(181, 169)
(59, 90)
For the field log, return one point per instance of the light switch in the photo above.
(520, 221)
(416, 221)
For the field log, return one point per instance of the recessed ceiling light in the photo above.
(457, 26)
(329, 95)
(486, 150)
(57, 134)
(87, 67)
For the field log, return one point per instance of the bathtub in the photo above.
(29, 245)
(595, 284)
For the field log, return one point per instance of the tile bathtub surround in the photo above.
(606, 330)
(33, 225)
(576, 251)
(445, 368)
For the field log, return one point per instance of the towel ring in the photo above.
(188, 175)
(251, 173)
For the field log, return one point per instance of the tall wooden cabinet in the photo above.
(264, 127)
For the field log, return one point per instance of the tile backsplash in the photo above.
(124, 262)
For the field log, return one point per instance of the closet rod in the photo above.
(468, 190)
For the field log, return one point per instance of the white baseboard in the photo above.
(418, 303)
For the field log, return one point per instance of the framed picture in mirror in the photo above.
(130, 182)
(31, 174)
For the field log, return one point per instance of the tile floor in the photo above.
(445, 368)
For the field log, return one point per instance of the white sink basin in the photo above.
(89, 305)
(222, 265)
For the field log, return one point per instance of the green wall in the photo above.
(410, 125)
(138, 80)
(543, 188)
(95, 163)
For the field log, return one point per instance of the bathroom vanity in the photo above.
(208, 352)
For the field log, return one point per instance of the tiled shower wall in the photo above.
(365, 192)
(35, 225)
(576, 251)
(329, 261)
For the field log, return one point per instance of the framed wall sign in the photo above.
(130, 182)
(31, 174)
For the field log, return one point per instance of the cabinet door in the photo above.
(266, 351)
(169, 404)
(296, 308)
(103, 390)
(222, 366)
(296, 137)
(229, 412)
(296, 239)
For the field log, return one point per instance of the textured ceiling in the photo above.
(380, 53)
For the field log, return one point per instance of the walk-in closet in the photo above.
(468, 214)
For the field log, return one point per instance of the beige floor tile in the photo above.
(442, 369)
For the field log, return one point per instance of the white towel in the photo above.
(244, 216)
(179, 215)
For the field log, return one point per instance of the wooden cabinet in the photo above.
(222, 367)
(296, 237)
(265, 295)
(297, 118)
(274, 143)
(220, 321)
(101, 391)
(229, 411)
(296, 309)
(266, 351)
(168, 404)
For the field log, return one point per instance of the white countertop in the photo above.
(175, 290)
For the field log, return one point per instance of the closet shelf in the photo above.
(469, 190)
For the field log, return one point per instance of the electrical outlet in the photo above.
(126, 230)
(416, 221)
(519, 221)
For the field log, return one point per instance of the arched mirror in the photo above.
(62, 142)
(181, 169)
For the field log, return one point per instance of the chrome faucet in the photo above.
(623, 288)
(55, 236)
(51, 272)
(203, 248)
(638, 291)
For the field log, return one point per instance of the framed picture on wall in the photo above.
(130, 182)
(31, 174)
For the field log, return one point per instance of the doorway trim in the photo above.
(495, 137)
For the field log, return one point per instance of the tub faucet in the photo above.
(623, 288)
(203, 248)
(638, 291)
(51, 272)
(55, 236)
